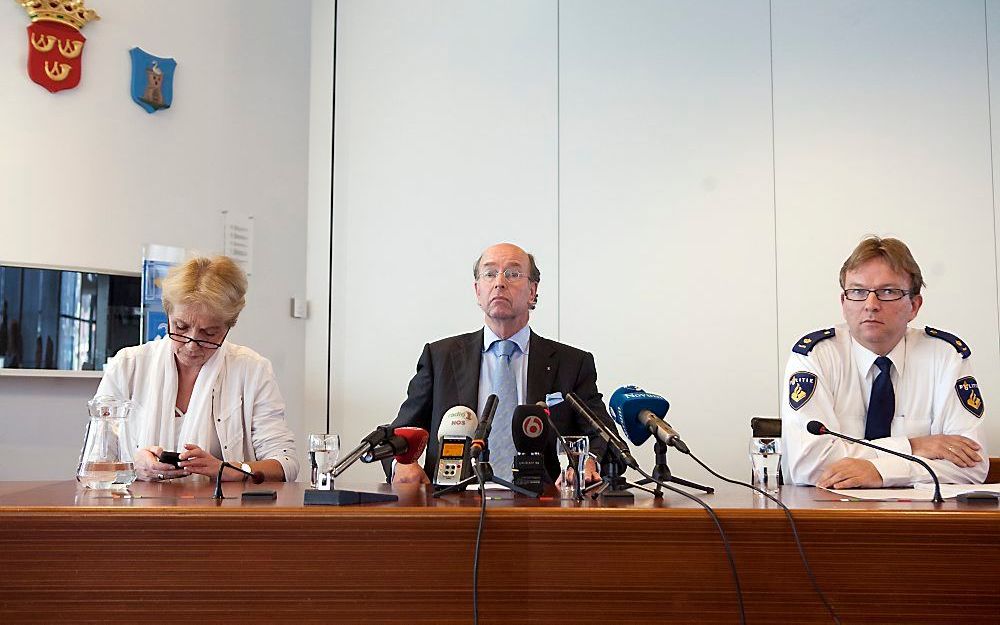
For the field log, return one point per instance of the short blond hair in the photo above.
(217, 283)
(892, 251)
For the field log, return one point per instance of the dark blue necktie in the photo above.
(882, 404)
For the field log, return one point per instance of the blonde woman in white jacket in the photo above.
(198, 394)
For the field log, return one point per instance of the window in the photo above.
(68, 320)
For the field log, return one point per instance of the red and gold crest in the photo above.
(55, 43)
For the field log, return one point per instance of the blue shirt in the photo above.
(490, 360)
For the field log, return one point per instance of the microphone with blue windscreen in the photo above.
(640, 414)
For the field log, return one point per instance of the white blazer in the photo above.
(239, 395)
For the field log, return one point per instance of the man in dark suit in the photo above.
(464, 370)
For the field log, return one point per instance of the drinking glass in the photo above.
(324, 451)
(765, 462)
(573, 453)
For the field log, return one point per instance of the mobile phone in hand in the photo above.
(170, 457)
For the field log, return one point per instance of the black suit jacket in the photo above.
(448, 376)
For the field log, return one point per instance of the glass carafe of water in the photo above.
(106, 459)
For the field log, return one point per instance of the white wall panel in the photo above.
(666, 230)
(882, 126)
(446, 143)
(991, 379)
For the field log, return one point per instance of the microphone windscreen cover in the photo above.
(416, 442)
(527, 429)
(815, 427)
(627, 402)
(458, 421)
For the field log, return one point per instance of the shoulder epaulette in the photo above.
(805, 344)
(956, 342)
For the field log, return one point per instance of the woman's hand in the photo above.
(196, 460)
(149, 468)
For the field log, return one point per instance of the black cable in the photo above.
(795, 533)
(329, 284)
(479, 534)
(722, 533)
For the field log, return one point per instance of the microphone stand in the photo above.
(483, 468)
(661, 473)
(613, 482)
(218, 478)
(937, 486)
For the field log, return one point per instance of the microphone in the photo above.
(607, 434)
(406, 444)
(530, 440)
(483, 429)
(455, 433)
(817, 428)
(641, 414)
(378, 436)
(257, 477)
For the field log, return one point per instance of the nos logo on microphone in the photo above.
(532, 427)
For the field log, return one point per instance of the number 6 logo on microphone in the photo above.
(532, 427)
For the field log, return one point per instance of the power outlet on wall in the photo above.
(300, 307)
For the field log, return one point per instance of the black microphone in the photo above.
(531, 437)
(815, 427)
(405, 445)
(610, 437)
(378, 436)
(483, 429)
(257, 477)
(392, 446)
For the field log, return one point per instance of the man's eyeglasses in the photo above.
(489, 275)
(883, 295)
(180, 338)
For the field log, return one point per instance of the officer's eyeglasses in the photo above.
(512, 275)
(883, 295)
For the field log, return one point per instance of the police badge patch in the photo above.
(968, 393)
(800, 388)
(152, 80)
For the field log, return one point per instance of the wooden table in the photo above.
(172, 554)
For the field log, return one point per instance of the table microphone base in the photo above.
(312, 497)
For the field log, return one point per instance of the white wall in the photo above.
(667, 230)
(446, 141)
(88, 177)
(690, 175)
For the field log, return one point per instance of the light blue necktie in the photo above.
(501, 444)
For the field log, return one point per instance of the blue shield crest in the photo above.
(152, 80)
(801, 386)
(968, 393)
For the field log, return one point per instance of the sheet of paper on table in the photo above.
(953, 490)
(885, 494)
(920, 492)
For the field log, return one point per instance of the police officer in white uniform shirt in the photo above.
(874, 378)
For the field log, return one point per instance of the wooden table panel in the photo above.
(172, 551)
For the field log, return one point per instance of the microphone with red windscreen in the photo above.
(406, 444)
(416, 442)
